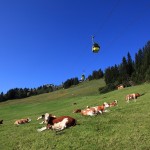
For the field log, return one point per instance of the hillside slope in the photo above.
(126, 126)
(85, 88)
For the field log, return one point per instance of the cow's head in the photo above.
(48, 117)
(137, 95)
(28, 119)
(116, 101)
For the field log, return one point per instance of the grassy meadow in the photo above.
(125, 127)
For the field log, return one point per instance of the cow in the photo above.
(120, 87)
(60, 125)
(57, 123)
(114, 103)
(132, 96)
(92, 111)
(22, 121)
(88, 112)
(1, 121)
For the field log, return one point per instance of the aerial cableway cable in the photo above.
(95, 45)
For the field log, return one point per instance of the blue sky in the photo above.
(49, 41)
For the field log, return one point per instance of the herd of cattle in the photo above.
(60, 123)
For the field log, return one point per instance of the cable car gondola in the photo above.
(95, 47)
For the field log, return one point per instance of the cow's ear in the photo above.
(50, 115)
(53, 116)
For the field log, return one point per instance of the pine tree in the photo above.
(90, 77)
(123, 71)
(109, 76)
(130, 68)
(2, 97)
(146, 58)
(100, 73)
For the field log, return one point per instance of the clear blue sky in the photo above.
(49, 41)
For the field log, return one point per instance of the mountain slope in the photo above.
(126, 126)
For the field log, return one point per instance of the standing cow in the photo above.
(132, 96)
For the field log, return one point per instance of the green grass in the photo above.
(125, 127)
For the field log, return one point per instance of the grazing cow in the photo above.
(57, 123)
(132, 96)
(114, 103)
(22, 121)
(1, 121)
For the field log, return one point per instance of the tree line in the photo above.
(18, 93)
(129, 72)
(75, 81)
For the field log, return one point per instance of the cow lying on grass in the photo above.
(92, 111)
(89, 112)
(56, 123)
(114, 103)
(132, 97)
(22, 121)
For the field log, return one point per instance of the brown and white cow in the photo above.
(92, 111)
(120, 87)
(86, 112)
(114, 103)
(132, 96)
(57, 123)
(22, 121)
(89, 112)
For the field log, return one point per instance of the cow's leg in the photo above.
(134, 97)
(42, 122)
(91, 114)
(42, 129)
(39, 118)
(106, 111)
(62, 127)
(100, 111)
(128, 99)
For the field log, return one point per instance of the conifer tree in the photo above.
(130, 68)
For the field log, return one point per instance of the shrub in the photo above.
(107, 88)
